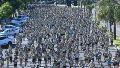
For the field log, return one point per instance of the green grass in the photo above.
(117, 42)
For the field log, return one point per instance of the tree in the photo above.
(18, 4)
(88, 4)
(109, 11)
(25, 3)
(5, 10)
(9, 7)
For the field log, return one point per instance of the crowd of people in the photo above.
(62, 37)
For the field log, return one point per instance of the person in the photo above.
(64, 66)
(92, 56)
(45, 59)
(34, 59)
(7, 57)
(101, 65)
(10, 58)
(98, 56)
(10, 54)
(39, 56)
(1, 50)
(118, 55)
(92, 64)
(2, 61)
(102, 46)
(115, 63)
(82, 63)
(38, 66)
(105, 54)
(16, 51)
(25, 58)
(109, 59)
(15, 62)
(49, 59)
(58, 64)
(65, 22)
(77, 58)
(54, 64)
(21, 57)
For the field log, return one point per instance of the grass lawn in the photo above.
(117, 42)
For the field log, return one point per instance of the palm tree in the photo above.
(107, 11)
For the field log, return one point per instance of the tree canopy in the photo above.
(5, 10)
(108, 9)
(8, 7)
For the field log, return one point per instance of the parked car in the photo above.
(6, 40)
(17, 29)
(23, 18)
(9, 32)
(17, 21)
(14, 24)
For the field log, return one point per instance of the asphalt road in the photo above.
(30, 64)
